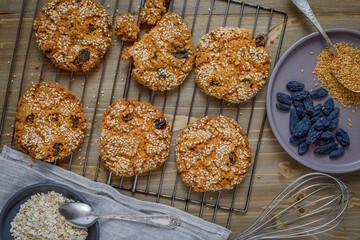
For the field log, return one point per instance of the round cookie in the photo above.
(230, 65)
(50, 122)
(135, 137)
(213, 153)
(164, 57)
(74, 34)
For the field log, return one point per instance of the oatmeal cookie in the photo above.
(164, 57)
(230, 65)
(74, 34)
(213, 153)
(135, 138)
(50, 122)
(126, 28)
(152, 10)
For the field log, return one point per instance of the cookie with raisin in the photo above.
(163, 57)
(73, 34)
(230, 65)
(50, 122)
(135, 138)
(213, 153)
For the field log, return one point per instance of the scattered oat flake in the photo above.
(350, 125)
(302, 70)
(312, 53)
(315, 84)
(353, 111)
(36, 66)
(272, 41)
(349, 120)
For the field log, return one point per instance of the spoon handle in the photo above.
(304, 6)
(166, 221)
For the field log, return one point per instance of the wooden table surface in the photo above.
(275, 168)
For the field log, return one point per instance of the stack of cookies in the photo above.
(212, 153)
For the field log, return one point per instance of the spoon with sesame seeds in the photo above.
(82, 215)
(346, 80)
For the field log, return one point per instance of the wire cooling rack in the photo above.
(112, 80)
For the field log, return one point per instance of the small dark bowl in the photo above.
(12, 206)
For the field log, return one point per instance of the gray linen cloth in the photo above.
(15, 174)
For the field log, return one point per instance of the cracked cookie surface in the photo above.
(135, 138)
(213, 153)
(230, 65)
(73, 34)
(164, 57)
(50, 122)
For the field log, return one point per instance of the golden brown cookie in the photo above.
(230, 65)
(152, 10)
(164, 57)
(50, 122)
(126, 28)
(135, 137)
(212, 153)
(74, 34)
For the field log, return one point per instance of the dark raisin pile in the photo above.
(311, 124)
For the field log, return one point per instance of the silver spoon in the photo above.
(82, 215)
(304, 6)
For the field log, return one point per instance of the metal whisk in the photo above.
(312, 204)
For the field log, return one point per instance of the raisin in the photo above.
(74, 121)
(301, 112)
(30, 118)
(160, 123)
(328, 106)
(317, 110)
(337, 152)
(295, 86)
(78, 1)
(251, 85)
(342, 137)
(319, 93)
(297, 139)
(126, 118)
(214, 83)
(314, 119)
(302, 127)
(259, 41)
(58, 148)
(91, 28)
(309, 106)
(48, 50)
(244, 80)
(181, 54)
(192, 149)
(54, 118)
(109, 26)
(303, 148)
(293, 120)
(323, 142)
(162, 72)
(232, 158)
(312, 135)
(333, 123)
(297, 103)
(283, 106)
(84, 56)
(334, 113)
(283, 98)
(326, 149)
(155, 55)
(327, 135)
(300, 95)
(322, 123)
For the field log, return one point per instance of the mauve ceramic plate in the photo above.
(12, 206)
(289, 67)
